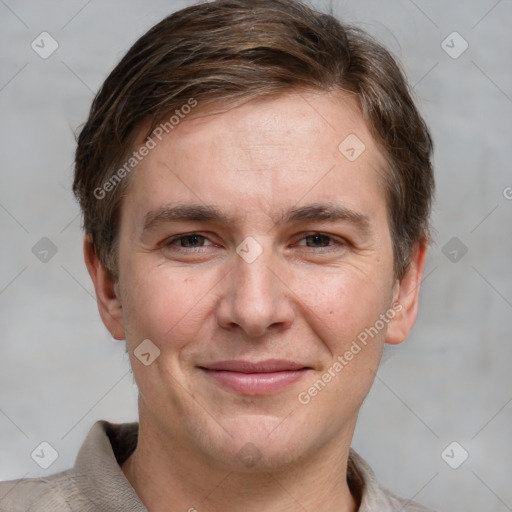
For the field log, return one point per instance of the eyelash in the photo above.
(333, 246)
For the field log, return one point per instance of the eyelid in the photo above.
(306, 234)
(335, 240)
(175, 238)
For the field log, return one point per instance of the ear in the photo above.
(109, 304)
(406, 294)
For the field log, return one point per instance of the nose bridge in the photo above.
(254, 278)
(252, 261)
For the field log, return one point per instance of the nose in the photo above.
(255, 297)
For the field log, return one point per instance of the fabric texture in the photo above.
(96, 482)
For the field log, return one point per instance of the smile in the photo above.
(262, 378)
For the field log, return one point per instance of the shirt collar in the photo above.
(364, 485)
(98, 471)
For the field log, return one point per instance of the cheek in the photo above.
(165, 304)
(342, 302)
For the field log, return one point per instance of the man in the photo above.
(256, 183)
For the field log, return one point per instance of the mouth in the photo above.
(248, 378)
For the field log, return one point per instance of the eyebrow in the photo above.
(207, 213)
(185, 213)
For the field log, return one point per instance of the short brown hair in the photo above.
(232, 51)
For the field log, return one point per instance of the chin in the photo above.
(260, 443)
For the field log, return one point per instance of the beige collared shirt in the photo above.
(96, 483)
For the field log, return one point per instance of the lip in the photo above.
(261, 378)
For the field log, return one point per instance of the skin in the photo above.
(304, 299)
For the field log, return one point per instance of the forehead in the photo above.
(265, 152)
(288, 126)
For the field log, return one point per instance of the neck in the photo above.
(168, 476)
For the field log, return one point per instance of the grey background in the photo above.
(451, 381)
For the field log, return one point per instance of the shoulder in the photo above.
(95, 482)
(398, 503)
(373, 496)
(38, 494)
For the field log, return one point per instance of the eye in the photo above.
(320, 241)
(187, 241)
(317, 240)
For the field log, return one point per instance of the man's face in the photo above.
(268, 282)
